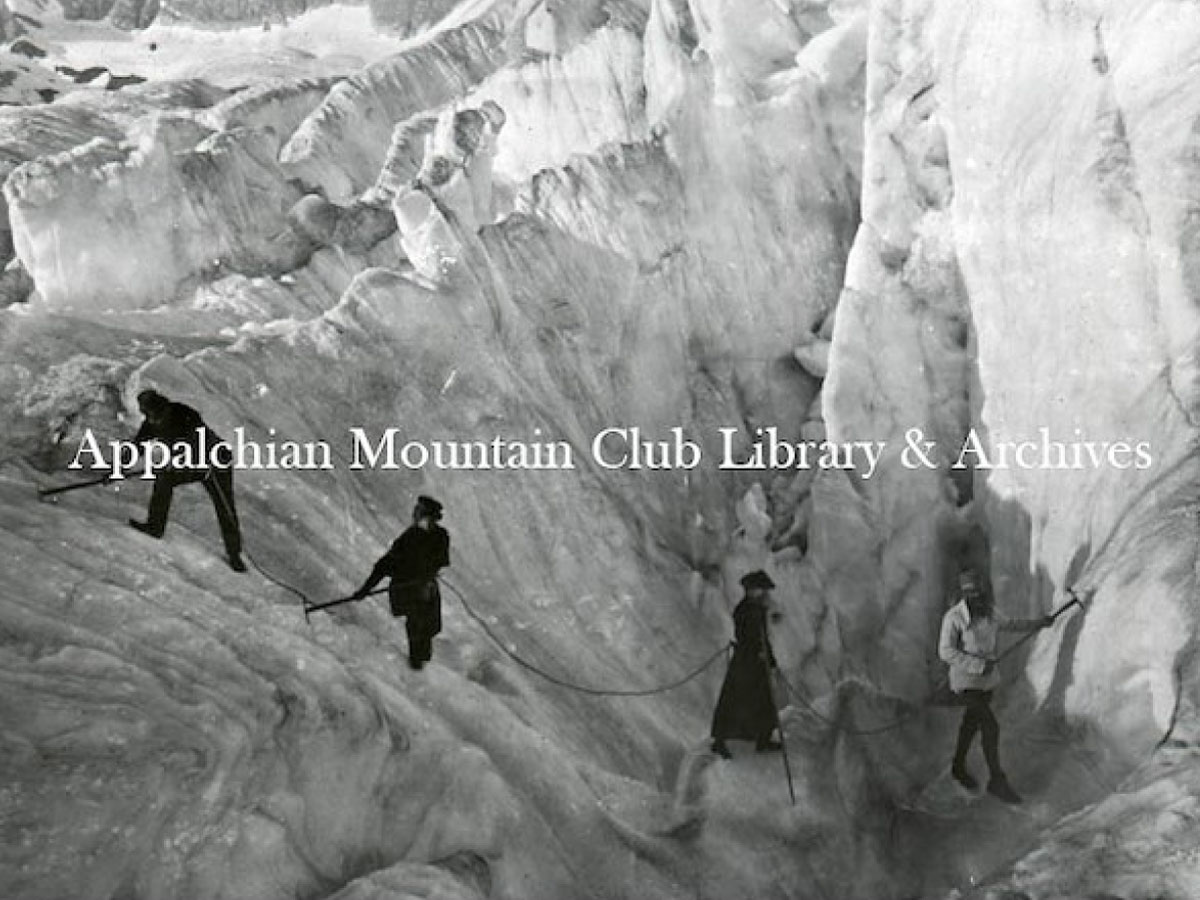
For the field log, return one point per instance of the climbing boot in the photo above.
(235, 562)
(960, 774)
(719, 748)
(999, 788)
(145, 528)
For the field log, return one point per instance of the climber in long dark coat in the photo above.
(180, 427)
(412, 563)
(746, 709)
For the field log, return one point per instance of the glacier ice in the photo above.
(838, 222)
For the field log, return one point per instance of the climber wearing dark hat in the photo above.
(412, 563)
(746, 709)
(184, 432)
(968, 645)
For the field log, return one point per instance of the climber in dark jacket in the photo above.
(412, 563)
(184, 432)
(746, 708)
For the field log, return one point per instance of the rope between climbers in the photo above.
(250, 556)
(795, 693)
(583, 689)
(792, 691)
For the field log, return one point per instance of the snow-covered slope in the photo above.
(533, 223)
(332, 764)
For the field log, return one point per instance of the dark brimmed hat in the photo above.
(757, 579)
(151, 399)
(429, 506)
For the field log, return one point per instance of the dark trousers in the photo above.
(979, 718)
(218, 484)
(420, 602)
(420, 643)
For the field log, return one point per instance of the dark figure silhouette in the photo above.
(746, 708)
(412, 563)
(184, 432)
(968, 645)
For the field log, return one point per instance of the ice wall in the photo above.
(1112, 350)
(27, 135)
(177, 200)
(1022, 270)
(1067, 283)
(131, 15)
(691, 258)
(340, 147)
(408, 16)
(677, 197)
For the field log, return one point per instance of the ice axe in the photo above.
(767, 660)
(43, 493)
(313, 607)
(1075, 600)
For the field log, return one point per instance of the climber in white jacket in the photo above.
(968, 646)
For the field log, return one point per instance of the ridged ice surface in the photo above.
(258, 755)
(340, 147)
(692, 214)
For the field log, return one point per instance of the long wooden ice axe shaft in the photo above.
(1075, 600)
(338, 602)
(77, 486)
